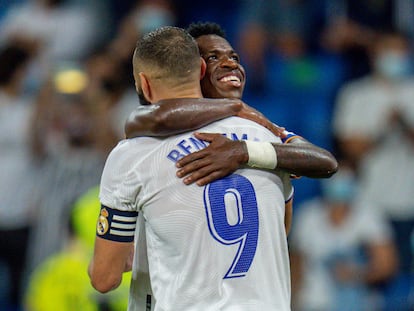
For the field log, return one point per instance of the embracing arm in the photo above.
(173, 116)
(302, 158)
(223, 156)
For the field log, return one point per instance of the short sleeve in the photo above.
(120, 183)
(288, 189)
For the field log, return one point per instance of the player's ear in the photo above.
(145, 86)
(137, 82)
(203, 68)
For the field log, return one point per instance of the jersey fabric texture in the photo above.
(218, 247)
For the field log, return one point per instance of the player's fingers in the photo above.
(198, 174)
(211, 177)
(192, 167)
(190, 158)
(206, 136)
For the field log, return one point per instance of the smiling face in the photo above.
(225, 77)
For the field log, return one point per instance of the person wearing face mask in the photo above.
(393, 63)
(363, 107)
(337, 266)
(374, 125)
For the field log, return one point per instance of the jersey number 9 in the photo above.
(220, 197)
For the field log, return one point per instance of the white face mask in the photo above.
(340, 188)
(393, 65)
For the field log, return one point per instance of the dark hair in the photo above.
(171, 51)
(12, 58)
(205, 28)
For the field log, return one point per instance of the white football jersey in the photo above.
(218, 247)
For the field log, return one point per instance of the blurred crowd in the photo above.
(338, 72)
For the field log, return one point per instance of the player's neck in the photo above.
(188, 92)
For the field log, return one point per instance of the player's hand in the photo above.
(220, 158)
(252, 114)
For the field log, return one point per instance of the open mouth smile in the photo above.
(231, 79)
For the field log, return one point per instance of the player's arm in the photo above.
(110, 260)
(172, 116)
(288, 216)
(223, 156)
(113, 251)
(301, 158)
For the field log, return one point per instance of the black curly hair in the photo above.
(205, 28)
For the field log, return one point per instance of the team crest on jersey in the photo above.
(102, 225)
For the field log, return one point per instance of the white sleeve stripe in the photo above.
(125, 218)
(121, 233)
(123, 226)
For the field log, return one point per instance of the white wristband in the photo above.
(261, 154)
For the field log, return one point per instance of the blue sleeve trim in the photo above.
(289, 136)
(290, 196)
(116, 225)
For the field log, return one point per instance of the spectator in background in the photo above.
(364, 106)
(75, 122)
(145, 16)
(60, 32)
(278, 46)
(77, 98)
(286, 28)
(294, 82)
(108, 81)
(72, 133)
(374, 125)
(340, 249)
(351, 26)
(18, 174)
